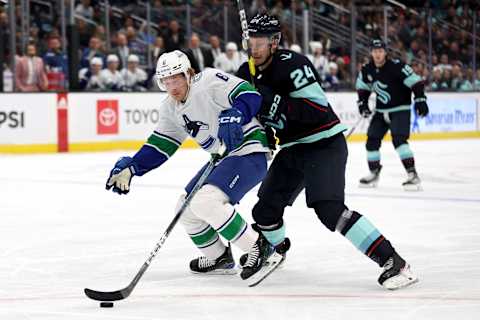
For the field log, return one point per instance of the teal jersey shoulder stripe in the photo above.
(312, 92)
(340, 127)
(411, 80)
(163, 143)
(362, 85)
(242, 87)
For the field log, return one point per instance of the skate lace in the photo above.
(252, 257)
(204, 262)
(388, 265)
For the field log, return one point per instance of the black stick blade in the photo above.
(106, 296)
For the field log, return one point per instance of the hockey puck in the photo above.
(106, 304)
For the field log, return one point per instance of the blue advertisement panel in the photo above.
(447, 114)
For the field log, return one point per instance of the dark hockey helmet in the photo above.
(263, 24)
(378, 44)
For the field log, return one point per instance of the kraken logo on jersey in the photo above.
(193, 127)
(285, 56)
(382, 94)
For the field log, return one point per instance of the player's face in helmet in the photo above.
(379, 56)
(261, 49)
(177, 86)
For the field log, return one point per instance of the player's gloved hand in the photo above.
(420, 106)
(364, 109)
(230, 128)
(273, 106)
(121, 175)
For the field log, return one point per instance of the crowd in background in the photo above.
(124, 63)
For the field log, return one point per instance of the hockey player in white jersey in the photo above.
(134, 78)
(212, 108)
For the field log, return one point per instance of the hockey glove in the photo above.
(273, 106)
(121, 176)
(230, 128)
(420, 106)
(364, 109)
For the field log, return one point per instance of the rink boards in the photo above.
(53, 122)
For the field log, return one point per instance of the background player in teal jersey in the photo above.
(393, 81)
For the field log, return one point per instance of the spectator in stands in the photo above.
(215, 48)
(122, 50)
(231, 60)
(296, 48)
(174, 37)
(136, 46)
(331, 81)
(85, 32)
(90, 77)
(110, 78)
(203, 56)
(447, 79)
(158, 48)
(444, 62)
(134, 78)
(30, 72)
(93, 50)
(320, 61)
(477, 80)
(437, 79)
(56, 65)
(85, 9)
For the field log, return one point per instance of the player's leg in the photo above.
(281, 186)
(213, 204)
(376, 131)
(400, 129)
(325, 193)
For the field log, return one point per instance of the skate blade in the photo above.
(272, 263)
(370, 185)
(412, 187)
(402, 280)
(218, 272)
(394, 285)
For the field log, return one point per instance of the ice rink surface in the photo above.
(60, 232)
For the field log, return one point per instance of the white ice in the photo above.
(60, 232)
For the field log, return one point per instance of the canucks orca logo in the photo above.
(193, 127)
(382, 94)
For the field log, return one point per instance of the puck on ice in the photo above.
(106, 304)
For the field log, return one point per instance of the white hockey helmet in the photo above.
(172, 63)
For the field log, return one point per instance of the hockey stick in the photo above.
(245, 37)
(352, 129)
(125, 292)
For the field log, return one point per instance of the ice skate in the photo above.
(262, 260)
(396, 274)
(371, 180)
(222, 265)
(413, 182)
(281, 248)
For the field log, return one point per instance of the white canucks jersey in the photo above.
(211, 92)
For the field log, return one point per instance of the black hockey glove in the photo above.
(420, 106)
(272, 109)
(364, 109)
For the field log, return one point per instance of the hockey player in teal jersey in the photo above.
(393, 82)
(313, 153)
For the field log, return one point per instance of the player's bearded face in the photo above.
(176, 86)
(260, 49)
(378, 56)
